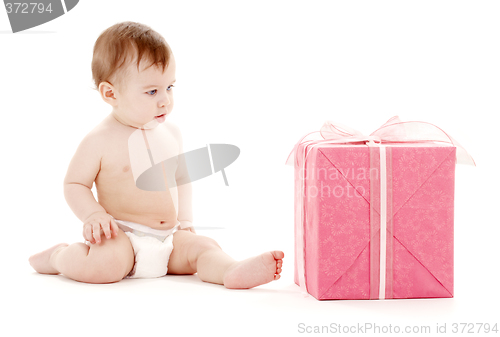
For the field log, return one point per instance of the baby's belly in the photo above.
(152, 209)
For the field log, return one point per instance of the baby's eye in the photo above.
(151, 92)
(170, 87)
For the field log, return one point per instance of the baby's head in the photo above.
(123, 43)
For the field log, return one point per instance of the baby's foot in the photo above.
(41, 261)
(254, 271)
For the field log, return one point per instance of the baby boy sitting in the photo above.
(131, 232)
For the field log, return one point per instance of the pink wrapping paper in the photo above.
(339, 242)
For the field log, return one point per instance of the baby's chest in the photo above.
(148, 148)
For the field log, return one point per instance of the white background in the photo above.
(259, 75)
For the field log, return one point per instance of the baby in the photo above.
(132, 232)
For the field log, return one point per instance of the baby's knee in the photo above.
(199, 246)
(109, 265)
(110, 268)
(204, 242)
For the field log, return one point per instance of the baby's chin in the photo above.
(155, 122)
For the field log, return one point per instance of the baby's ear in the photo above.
(107, 92)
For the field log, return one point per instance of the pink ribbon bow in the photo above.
(393, 131)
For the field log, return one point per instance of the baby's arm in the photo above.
(80, 177)
(185, 213)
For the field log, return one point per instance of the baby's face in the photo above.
(146, 96)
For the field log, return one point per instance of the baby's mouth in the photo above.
(161, 118)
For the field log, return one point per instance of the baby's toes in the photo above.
(278, 255)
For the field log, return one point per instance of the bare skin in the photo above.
(103, 158)
(41, 261)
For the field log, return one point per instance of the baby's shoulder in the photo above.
(102, 135)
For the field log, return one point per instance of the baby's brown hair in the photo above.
(118, 45)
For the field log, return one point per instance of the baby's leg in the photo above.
(199, 254)
(109, 261)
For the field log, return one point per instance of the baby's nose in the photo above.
(164, 102)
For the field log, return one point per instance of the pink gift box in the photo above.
(340, 249)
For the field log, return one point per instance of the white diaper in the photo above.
(152, 248)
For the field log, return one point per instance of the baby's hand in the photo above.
(97, 223)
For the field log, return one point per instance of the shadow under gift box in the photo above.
(199, 165)
(28, 14)
(336, 206)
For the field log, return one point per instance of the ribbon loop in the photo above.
(392, 131)
(331, 130)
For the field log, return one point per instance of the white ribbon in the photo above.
(383, 221)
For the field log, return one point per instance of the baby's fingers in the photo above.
(114, 227)
(106, 230)
(96, 231)
(87, 233)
